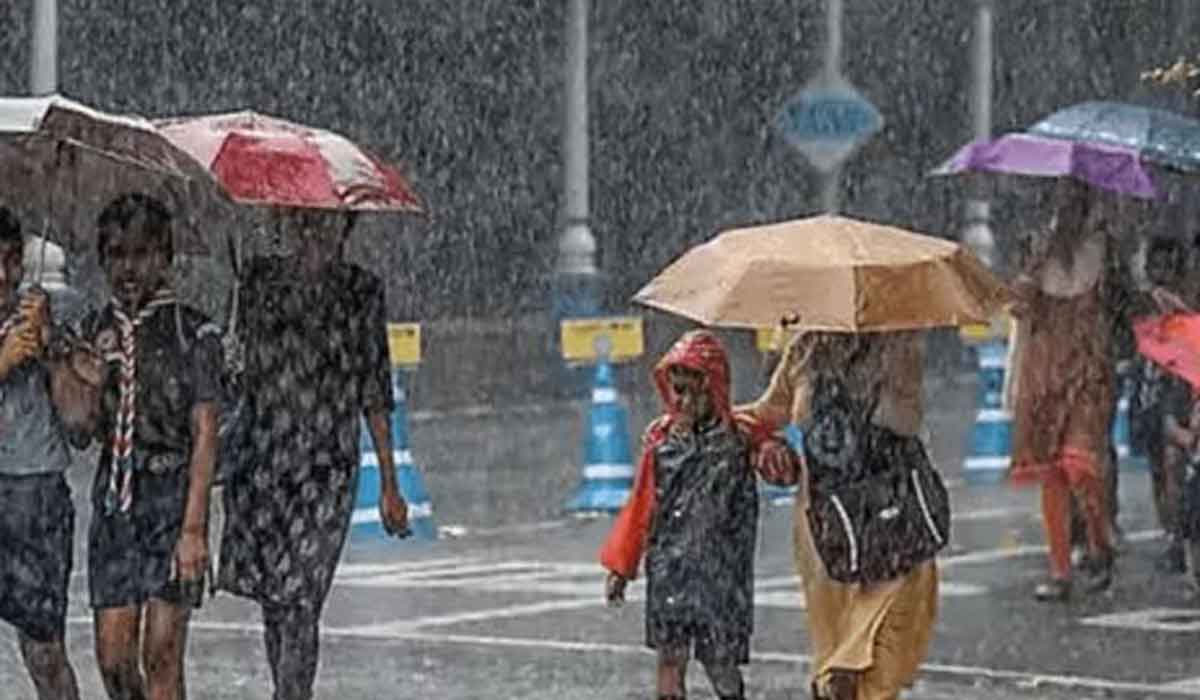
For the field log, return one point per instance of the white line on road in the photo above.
(1152, 619)
(373, 569)
(988, 556)
(403, 632)
(990, 514)
(971, 672)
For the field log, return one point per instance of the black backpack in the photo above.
(877, 506)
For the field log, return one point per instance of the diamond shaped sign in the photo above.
(827, 122)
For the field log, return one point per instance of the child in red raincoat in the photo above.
(693, 513)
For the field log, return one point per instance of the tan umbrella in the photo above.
(827, 273)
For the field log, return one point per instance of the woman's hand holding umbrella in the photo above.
(1169, 302)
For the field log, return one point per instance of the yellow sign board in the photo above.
(984, 332)
(772, 339)
(582, 339)
(404, 341)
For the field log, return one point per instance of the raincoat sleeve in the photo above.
(626, 543)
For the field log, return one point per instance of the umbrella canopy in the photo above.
(1114, 168)
(1173, 343)
(827, 273)
(1159, 136)
(266, 161)
(62, 161)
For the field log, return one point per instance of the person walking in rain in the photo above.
(37, 522)
(155, 417)
(694, 514)
(314, 334)
(1162, 403)
(1065, 385)
(868, 640)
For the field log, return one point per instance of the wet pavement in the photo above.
(520, 614)
(513, 609)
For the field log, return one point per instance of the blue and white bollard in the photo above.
(1122, 430)
(990, 453)
(365, 522)
(608, 457)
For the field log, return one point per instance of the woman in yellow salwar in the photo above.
(867, 640)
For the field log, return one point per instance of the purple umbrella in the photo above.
(1114, 168)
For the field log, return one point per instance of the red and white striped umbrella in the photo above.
(266, 161)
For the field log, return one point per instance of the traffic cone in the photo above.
(608, 459)
(991, 437)
(785, 495)
(365, 523)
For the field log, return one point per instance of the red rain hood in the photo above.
(700, 351)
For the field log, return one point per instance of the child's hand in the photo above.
(777, 464)
(614, 589)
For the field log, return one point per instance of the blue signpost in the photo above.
(827, 121)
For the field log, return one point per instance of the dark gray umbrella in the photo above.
(1161, 137)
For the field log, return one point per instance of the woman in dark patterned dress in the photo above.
(693, 513)
(316, 361)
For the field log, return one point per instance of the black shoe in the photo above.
(1053, 591)
(1100, 574)
(1172, 560)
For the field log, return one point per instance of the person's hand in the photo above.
(20, 344)
(34, 307)
(1168, 301)
(1022, 291)
(393, 513)
(191, 555)
(614, 589)
(88, 366)
(777, 464)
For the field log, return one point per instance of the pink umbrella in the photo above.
(1172, 342)
(266, 161)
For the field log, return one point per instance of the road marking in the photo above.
(399, 632)
(371, 569)
(987, 556)
(972, 673)
(1192, 684)
(990, 514)
(1151, 619)
(390, 628)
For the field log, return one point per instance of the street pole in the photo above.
(43, 63)
(576, 268)
(43, 80)
(977, 235)
(831, 188)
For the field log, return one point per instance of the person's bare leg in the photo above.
(163, 650)
(117, 637)
(49, 669)
(672, 673)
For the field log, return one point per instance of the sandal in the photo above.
(1053, 591)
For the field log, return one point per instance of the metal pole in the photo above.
(831, 188)
(43, 80)
(978, 232)
(577, 248)
(43, 64)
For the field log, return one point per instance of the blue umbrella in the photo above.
(1159, 136)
